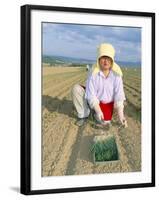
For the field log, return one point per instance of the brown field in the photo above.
(65, 146)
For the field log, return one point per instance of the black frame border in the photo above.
(25, 99)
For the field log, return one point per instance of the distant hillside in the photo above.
(129, 64)
(62, 60)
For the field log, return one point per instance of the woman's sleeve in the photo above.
(90, 93)
(119, 94)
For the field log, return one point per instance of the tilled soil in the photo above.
(65, 146)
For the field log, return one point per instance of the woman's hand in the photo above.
(99, 113)
(120, 110)
(124, 122)
(100, 116)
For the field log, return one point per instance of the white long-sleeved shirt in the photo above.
(104, 89)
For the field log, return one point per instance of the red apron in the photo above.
(107, 109)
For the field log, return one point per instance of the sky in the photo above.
(81, 41)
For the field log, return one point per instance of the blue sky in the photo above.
(81, 41)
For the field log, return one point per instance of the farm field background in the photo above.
(65, 146)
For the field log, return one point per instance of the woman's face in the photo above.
(105, 62)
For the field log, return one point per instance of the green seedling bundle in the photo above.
(105, 150)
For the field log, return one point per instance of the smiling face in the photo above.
(105, 62)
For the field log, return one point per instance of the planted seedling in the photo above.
(105, 150)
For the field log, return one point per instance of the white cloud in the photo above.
(82, 41)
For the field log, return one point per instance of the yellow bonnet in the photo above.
(106, 49)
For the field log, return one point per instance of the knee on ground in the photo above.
(77, 88)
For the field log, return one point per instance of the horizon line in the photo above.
(94, 60)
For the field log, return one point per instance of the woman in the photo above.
(104, 89)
